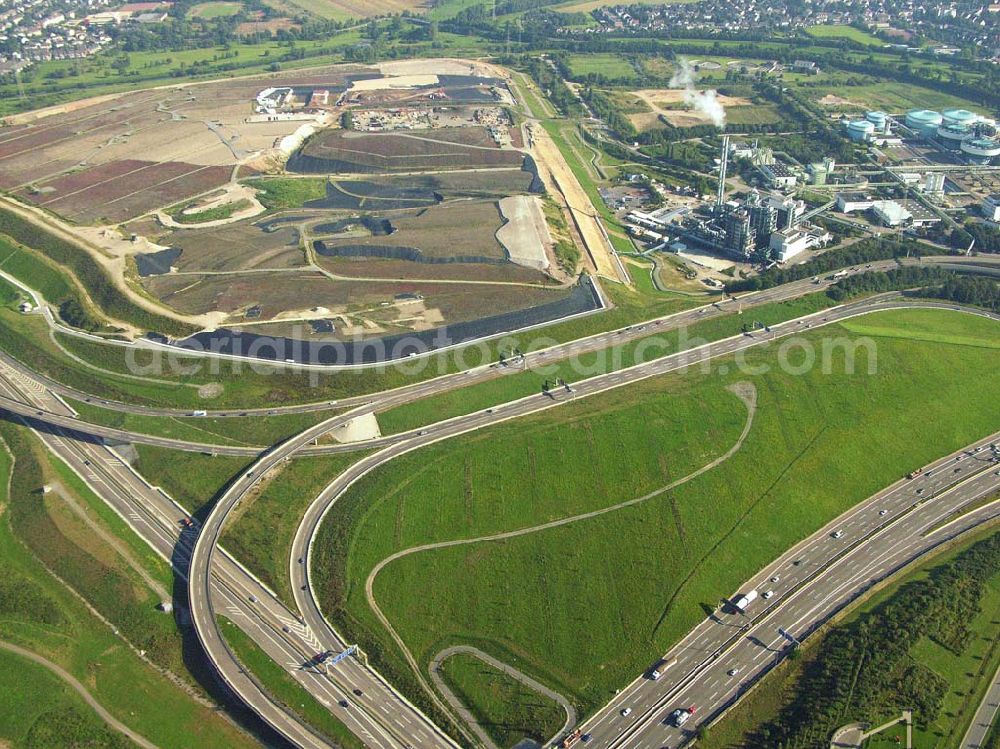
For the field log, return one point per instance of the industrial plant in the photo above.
(971, 136)
(757, 227)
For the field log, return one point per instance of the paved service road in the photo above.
(81, 690)
(986, 716)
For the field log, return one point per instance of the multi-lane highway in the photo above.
(306, 600)
(985, 717)
(377, 715)
(730, 650)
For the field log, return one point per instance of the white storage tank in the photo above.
(878, 119)
(981, 150)
(924, 121)
(860, 130)
(959, 117)
(952, 136)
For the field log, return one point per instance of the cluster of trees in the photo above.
(987, 237)
(553, 86)
(978, 290)
(606, 109)
(866, 251)
(865, 671)
(876, 282)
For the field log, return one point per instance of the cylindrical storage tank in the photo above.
(924, 121)
(951, 136)
(859, 130)
(878, 119)
(959, 117)
(981, 150)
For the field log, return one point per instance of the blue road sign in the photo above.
(339, 657)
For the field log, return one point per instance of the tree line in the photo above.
(865, 671)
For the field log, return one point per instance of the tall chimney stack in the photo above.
(720, 197)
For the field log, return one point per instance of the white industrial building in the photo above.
(787, 243)
(778, 175)
(891, 213)
(848, 202)
(991, 207)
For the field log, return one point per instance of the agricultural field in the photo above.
(210, 10)
(844, 32)
(339, 10)
(893, 97)
(537, 596)
(606, 64)
(586, 6)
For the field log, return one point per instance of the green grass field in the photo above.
(892, 96)
(601, 63)
(844, 32)
(34, 701)
(260, 532)
(520, 384)
(506, 709)
(279, 192)
(537, 597)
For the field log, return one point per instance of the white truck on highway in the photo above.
(660, 668)
(743, 601)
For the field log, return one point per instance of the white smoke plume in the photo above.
(706, 101)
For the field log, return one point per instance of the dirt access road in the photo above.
(560, 180)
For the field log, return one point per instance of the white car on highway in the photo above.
(680, 716)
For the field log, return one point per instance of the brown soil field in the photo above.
(441, 231)
(98, 197)
(198, 124)
(380, 268)
(240, 246)
(443, 148)
(285, 291)
(663, 101)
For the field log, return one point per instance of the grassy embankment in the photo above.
(506, 709)
(147, 377)
(66, 531)
(519, 384)
(535, 598)
(260, 532)
(104, 297)
(229, 430)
